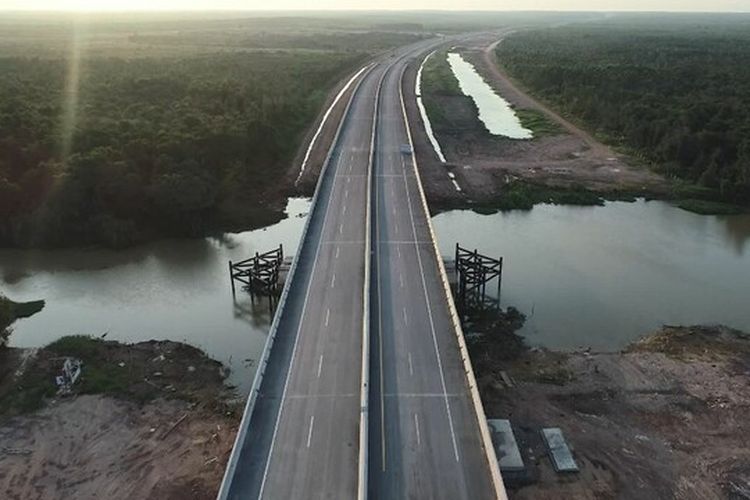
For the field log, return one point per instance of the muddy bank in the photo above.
(665, 418)
(147, 420)
(488, 169)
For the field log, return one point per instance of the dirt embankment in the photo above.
(304, 182)
(484, 165)
(666, 418)
(152, 420)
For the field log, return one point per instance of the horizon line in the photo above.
(363, 10)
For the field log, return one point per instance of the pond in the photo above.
(494, 111)
(173, 289)
(601, 277)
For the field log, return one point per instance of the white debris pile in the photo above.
(71, 371)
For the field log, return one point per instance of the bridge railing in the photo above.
(263, 361)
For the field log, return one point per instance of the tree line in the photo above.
(677, 95)
(155, 146)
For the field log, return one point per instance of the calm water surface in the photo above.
(173, 289)
(593, 276)
(494, 111)
(603, 276)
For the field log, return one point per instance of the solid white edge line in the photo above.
(489, 449)
(323, 122)
(423, 112)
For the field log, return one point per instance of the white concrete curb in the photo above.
(364, 418)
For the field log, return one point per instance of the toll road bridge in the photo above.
(364, 387)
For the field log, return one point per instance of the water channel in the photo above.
(494, 111)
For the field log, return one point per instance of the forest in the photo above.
(674, 92)
(97, 148)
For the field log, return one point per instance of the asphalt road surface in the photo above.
(303, 435)
(424, 437)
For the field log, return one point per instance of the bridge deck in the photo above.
(424, 437)
(304, 429)
(301, 437)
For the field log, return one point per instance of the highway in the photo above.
(424, 437)
(301, 436)
(304, 431)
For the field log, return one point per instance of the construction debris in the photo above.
(506, 448)
(71, 371)
(560, 454)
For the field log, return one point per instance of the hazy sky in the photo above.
(640, 5)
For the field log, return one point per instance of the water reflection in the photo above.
(602, 276)
(494, 111)
(172, 289)
(738, 232)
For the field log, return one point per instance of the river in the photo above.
(601, 277)
(171, 289)
(584, 276)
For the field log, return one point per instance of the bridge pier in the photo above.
(259, 275)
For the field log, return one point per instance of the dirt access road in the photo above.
(519, 98)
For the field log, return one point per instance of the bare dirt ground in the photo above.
(667, 418)
(305, 183)
(483, 164)
(174, 446)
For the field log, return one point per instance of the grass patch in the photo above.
(136, 372)
(100, 375)
(707, 207)
(438, 81)
(27, 309)
(703, 200)
(28, 393)
(438, 78)
(538, 123)
(695, 343)
(524, 195)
